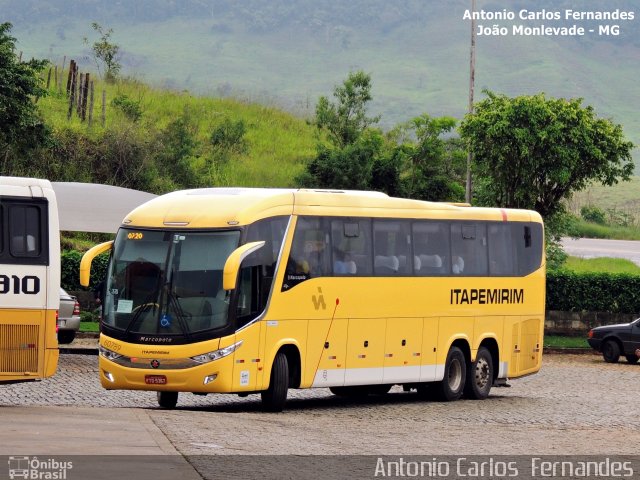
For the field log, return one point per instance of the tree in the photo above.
(21, 128)
(533, 152)
(433, 166)
(106, 52)
(346, 119)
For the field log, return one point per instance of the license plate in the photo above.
(155, 379)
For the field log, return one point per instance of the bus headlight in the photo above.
(108, 354)
(217, 354)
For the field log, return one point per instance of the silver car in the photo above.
(68, 321)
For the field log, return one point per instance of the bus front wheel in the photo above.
(455, 373)
(274, 398)
(480, 376)
(168, 400)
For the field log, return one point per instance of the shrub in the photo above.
(70, 270)
(229, 136)
(129, 107)
(593, 214)
(594, 292)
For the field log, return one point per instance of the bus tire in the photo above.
(611, 351)
(274, 398)
(480, 376)
(167, 400)
(455, 370)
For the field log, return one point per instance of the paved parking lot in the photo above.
(576, 405)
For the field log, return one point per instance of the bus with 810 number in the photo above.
(244, 291)
(29, 279)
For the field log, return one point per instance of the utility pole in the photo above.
(472, 77)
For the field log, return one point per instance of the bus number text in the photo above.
(27, 285)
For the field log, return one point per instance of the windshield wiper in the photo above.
(141, 308)
(172, 300)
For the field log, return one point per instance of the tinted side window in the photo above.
(528, 243)
(23, 231)
(431, 248)
(392, 248)
(351, 242)
(469, 248)
(501, 250)
(258, 269)
(309, 256)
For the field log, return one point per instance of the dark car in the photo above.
(616, 340)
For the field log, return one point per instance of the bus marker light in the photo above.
(210, 378)
(108, 376)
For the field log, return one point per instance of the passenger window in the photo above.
(430, 248)
(309, 256)
(528, 242)
(469, 249)
(501, 250)
(391, 248)
(351, 242)
(24, 231)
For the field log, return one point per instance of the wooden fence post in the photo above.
(85, 93)
(90, 103)
(80, 96)
(71, 89)
(72, 66)
(64, 61)
(49, 78)
(104, 107)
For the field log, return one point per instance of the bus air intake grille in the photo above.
(18, 349)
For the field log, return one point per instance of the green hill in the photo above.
(277, 144)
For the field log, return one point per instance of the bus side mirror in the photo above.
(232, 265)
(87, 259)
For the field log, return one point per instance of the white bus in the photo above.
(29, 279)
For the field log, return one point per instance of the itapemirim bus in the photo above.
(29, 279)
(261, 290)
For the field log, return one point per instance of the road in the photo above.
(576, 405)
(594, 247)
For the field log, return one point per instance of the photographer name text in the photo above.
(549, 23)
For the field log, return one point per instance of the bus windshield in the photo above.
(168, 283)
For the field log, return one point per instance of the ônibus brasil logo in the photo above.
(33, 468)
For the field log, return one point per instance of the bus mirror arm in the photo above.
(87, 259)
(232, 265)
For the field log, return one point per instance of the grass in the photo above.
(624, 197)
(89, 327)
(556, 341)
(583, 229)
(601, 264)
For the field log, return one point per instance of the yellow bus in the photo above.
(262, 290)
(29, 279)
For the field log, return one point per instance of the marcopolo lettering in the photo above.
(27, 285)
(486, 296)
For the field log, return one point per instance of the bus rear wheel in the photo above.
(480, 376)
(455, 373)
(274, 398)
(168, 400)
